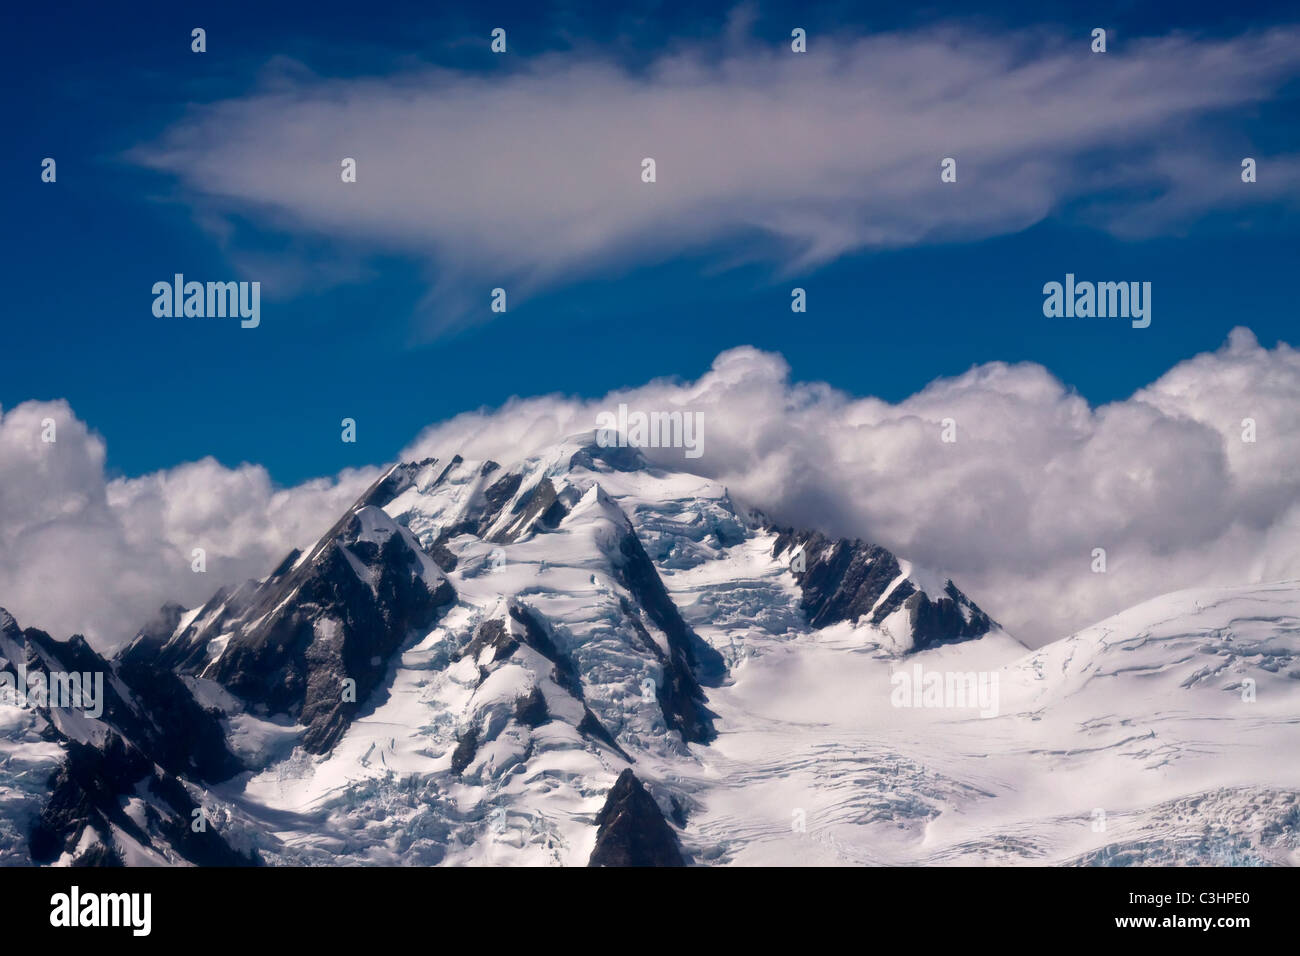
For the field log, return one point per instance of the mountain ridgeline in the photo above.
(531, 631)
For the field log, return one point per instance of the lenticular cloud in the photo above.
(799, 158)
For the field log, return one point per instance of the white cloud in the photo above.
(81, 554)
(1011, 511)
(529, 174)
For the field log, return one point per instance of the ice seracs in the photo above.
(578, 657)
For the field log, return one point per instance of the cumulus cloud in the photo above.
(1011, 510)
(82, 554)
(531, 174)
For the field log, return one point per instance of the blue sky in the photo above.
(355, 337)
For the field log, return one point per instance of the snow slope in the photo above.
(523, 634)
(1140, 718)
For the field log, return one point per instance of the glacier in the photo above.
(581, 658)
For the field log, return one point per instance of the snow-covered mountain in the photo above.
(579, 658)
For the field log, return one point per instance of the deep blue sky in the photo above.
(83, 85)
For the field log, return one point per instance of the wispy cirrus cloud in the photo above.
(529, 175)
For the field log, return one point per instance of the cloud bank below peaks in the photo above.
(1011, 510)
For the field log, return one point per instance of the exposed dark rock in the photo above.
(550, 517)
(338, 616)
(591, 726)
(151, 638)
(442, 554)
(540, 508)
(942, 621)
(162, 719)
(88, 791)
(846, 580)
(9, 629)
(565, 674)
(403, 476)
(204, 847)
(188, 651)
(466, 748)
(44, 655)
(491, 634)
(633, 831)
(530, 710)
(151, 730)
(841, 580)
(286, 565)
(185, 738)
(680, 696)
(395, 481)
(679, 812)
(499, 492)
(99, 855)
(626, 458)
(84, 792)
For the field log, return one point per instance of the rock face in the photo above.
(535, 650)
(633, 831)
(847, 580)
(515, 637)
(315, 641)
(519, 643)
(128, 747)
(680, 694)
(454, 507)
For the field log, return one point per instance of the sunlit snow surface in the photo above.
(1140, 718)
(1132, 742)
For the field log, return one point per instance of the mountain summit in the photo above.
(579, 657)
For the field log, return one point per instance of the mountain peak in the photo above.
(475, 622)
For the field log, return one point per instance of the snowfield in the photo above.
(1137, 723)
(591, 614)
